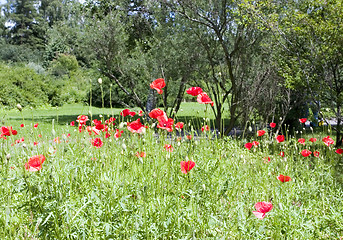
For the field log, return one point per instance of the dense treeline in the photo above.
(266, 60)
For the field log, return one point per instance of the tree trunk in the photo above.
(151, 102)
(179, 97)
(219, 124)
(338, 127)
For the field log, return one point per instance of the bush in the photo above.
(20, 84)
(63, 65)
(15, 53)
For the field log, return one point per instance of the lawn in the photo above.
(92, 189)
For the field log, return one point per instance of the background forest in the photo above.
(257, 60)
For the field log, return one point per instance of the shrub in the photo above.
(20, 84)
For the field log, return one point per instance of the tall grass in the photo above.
(84, 192)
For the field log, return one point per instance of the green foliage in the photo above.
(19, 53)
(63, 65)
(30, 85)
(27, 28)
(21, 85)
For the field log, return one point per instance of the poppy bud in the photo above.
(100, 81)
(20, 108)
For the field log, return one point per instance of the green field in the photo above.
(85, 192)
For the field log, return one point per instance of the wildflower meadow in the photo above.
(147, 176)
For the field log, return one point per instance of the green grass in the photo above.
(69, 112)
(83, 192)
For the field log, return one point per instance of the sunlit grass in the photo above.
(83, 192)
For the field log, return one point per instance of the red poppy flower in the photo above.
(168, 147)
(194, 91)
(313, 140)
(282, 154)
(35, 163)
(92, 130)
(280, 138)
(99, 125)
(339, 151)
(189, 137)
(135, 126)
(72, 123)
(107, 135)
(140, 113)
(248, 145)
(179, 125)
(141, 154)
(155, 113)
(260, 133)
(205, 128)
(283, 178)
(22, 125)
(110, 120)
(306, 153)
(82, 119)
(301, 141)
(36, 125)
(5, 131)
(302, 120)
(268, 159)
(187, 166)
(262, 208)
(203, 98)
(8, 131)
(255, 143)
(127, 112)
(165, 123)
(158, 84)
(316, 153)
(97, 142)
(272, 125)
(328, 141)
(118, 133)
(40, 135)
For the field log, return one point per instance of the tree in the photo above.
(311, 54)
(25, 28)
(231, 46)
(135, 43)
